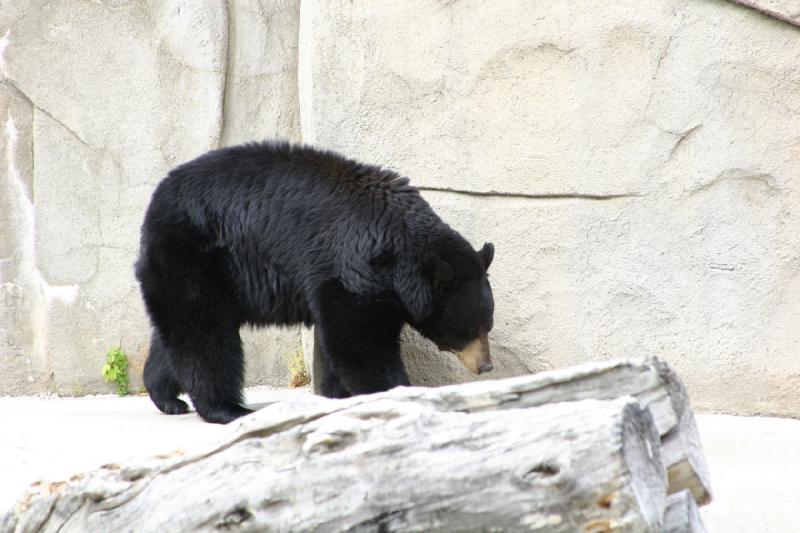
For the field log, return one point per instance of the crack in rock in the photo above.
(664, 53)
(739, 175)
(223, 106)
(682, 137)
(552, 47)
(722, 266)
(545, 196)
(13, 87)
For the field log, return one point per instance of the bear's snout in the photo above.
(476, 356)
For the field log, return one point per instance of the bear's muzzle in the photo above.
(476, 356)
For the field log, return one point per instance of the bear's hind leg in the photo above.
(159, 380)
(197, 316)
(210, 364)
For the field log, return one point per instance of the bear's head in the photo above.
(462, 307)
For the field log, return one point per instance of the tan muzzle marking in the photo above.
(475, 355)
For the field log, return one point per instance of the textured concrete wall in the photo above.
(637, 166)
(98, 101)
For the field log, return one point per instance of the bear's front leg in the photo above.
(358, 340)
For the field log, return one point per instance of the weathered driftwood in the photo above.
(378, 464)
(420, 460)
(682, 515)
(649, 380)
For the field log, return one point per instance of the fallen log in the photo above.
(421, 419)
(376, 463)
(649, 380)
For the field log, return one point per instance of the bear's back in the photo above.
(276, 182)
(289, 217)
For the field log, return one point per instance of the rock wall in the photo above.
(637, 167)
(99, 100)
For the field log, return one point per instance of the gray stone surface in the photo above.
(24, 365)
(104, 98)
(635, 166)
(587, 280)
(261, 84)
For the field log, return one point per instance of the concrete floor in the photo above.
(754, 462)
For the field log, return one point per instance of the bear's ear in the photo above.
(438, 270)
(487, 254)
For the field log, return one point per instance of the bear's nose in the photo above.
(485, 367)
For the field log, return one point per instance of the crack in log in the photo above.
(146, 475)
(546, 196)
(751, 4)
(273, 430)
(256, 433)
(50, 508)
(68, 518)
(381, 521)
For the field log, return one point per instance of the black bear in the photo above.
(273, 234)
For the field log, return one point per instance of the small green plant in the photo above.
(116, 369)
(298, 374)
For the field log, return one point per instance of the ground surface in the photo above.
(754, 462)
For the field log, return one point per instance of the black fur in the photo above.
(279, 234)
